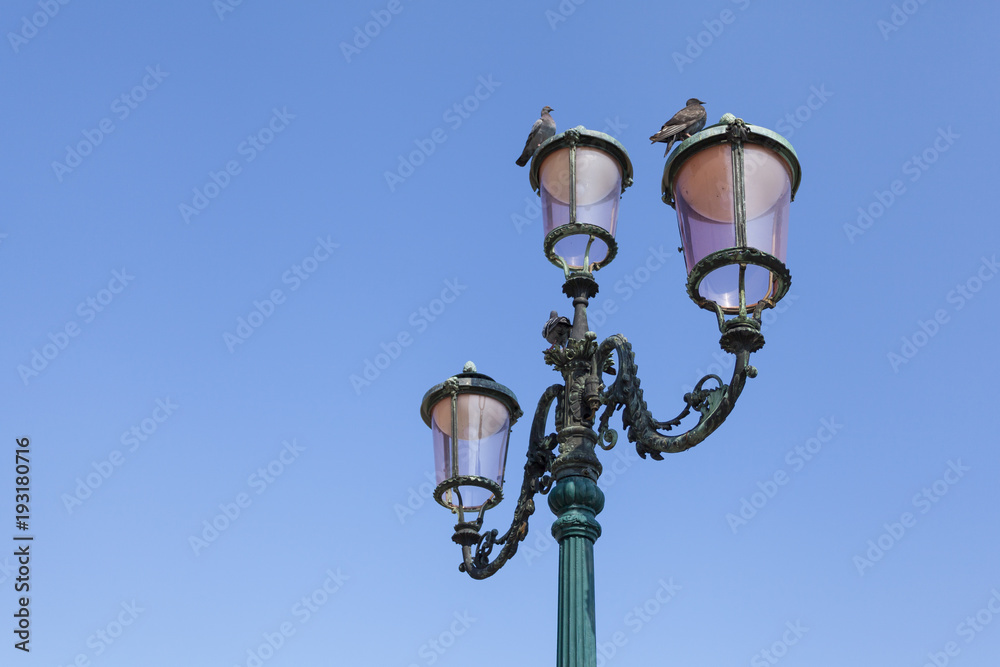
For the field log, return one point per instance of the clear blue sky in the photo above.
(216, 214)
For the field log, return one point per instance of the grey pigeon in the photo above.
(557, 329)
(685, 122)
(543, 128)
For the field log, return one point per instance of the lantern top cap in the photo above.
(581, 136)
(728, 127)
(470, 381)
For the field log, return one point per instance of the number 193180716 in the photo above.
(23, 481)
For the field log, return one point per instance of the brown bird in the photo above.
(543, 128)
(685, 122)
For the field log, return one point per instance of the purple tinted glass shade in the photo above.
(479, 449)
(705, 215)
(598, 190)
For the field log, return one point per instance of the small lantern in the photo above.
(470, 417)
(731, 185)
(580, 176)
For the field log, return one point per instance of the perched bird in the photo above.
(543, 128)
(556, 330)
(685, 122)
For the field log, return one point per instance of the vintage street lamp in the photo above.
(731, 185)
(470, 417)
(580, 176)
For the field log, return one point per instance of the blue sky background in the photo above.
(857, 90)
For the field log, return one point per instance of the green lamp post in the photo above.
(731, 186)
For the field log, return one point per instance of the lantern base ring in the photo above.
(579, 228)
(468, 480)
(781, 279)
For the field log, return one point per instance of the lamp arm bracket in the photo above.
(536, 480)
(714, 403)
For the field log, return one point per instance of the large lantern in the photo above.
(470, 417)
(731, 185)
(580, 176)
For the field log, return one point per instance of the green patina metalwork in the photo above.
(714, 404)
(536, 480)
(468, 381)
(576, 501)
(566, 461)
(573, 229)
(579, 137)
(744, 329)
(720, 133)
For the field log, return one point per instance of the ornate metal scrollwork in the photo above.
(561, 358)
(714, 404)
(536, 480)
(608, 435)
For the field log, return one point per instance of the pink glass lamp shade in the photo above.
(470, 417)
(580, 176)
(732, 189)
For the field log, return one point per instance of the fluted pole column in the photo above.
(576, 500)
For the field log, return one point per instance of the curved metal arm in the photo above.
(540, 456)
(714, 404)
